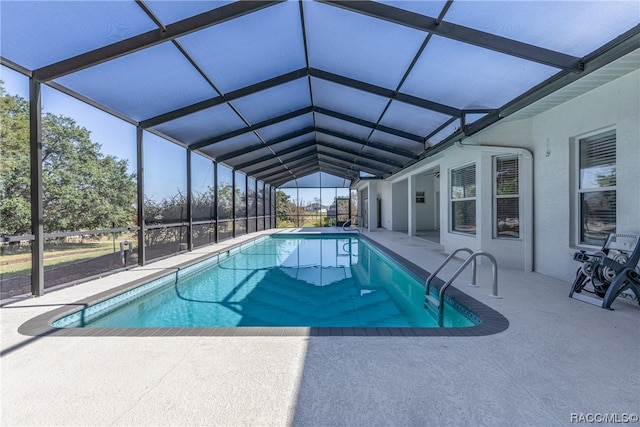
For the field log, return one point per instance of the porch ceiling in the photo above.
(283, 89)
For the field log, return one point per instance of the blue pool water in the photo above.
(313, 280)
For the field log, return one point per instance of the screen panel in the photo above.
(346, 100)
(340, 155)
(248, 139)
(444, 133)
(340, 142)
(39, 33)
(289, 143)
(330, 181)
(309, 181)
(165, 181)
(298, 153)
(358, 46)
(251, 48)
(225, 183)
(385, 154)
(412, 119)
(275, 101)
(172, 11)
(244, 158)
(393, 141)
(562, 26)
(468, 77)
(429, 8)
(202, 188)
(203, 125)
(342, 126)
(144, 84)
(284, 145)
(285, 127)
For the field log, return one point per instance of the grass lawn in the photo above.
(18, 262)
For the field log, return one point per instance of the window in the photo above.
(463, 199)
(597, 187)
(420, 197)
(507, 197)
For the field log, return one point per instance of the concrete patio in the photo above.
(558, 360)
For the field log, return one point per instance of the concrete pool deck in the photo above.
(559, 360)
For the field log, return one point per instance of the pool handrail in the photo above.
(348, 223)
(445, 262)
(439, 303)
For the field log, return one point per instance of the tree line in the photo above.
(298, 213)
(83, 188)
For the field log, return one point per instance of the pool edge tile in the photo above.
(491, 321)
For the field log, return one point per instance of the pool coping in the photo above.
(491, 323)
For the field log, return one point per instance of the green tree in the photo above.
(282, 207)
(15, 203)
(169, 210)
(83, 188)
(225, 201)
(203, 203)
(297, 213)
(240, 203)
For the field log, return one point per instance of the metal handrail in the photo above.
(349, 251)
(445, 262)
(440, 302)
(350, 221)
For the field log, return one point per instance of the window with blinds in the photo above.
(507, 197)
(463, 199)
(597, 187)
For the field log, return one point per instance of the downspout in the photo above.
(527, 171)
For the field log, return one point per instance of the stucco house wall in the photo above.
(546, 143)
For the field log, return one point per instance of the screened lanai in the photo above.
(223, 104)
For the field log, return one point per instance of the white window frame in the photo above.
(579, 191)
(497, 196)
(453, 200)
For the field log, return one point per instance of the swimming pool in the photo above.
(322, 284)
